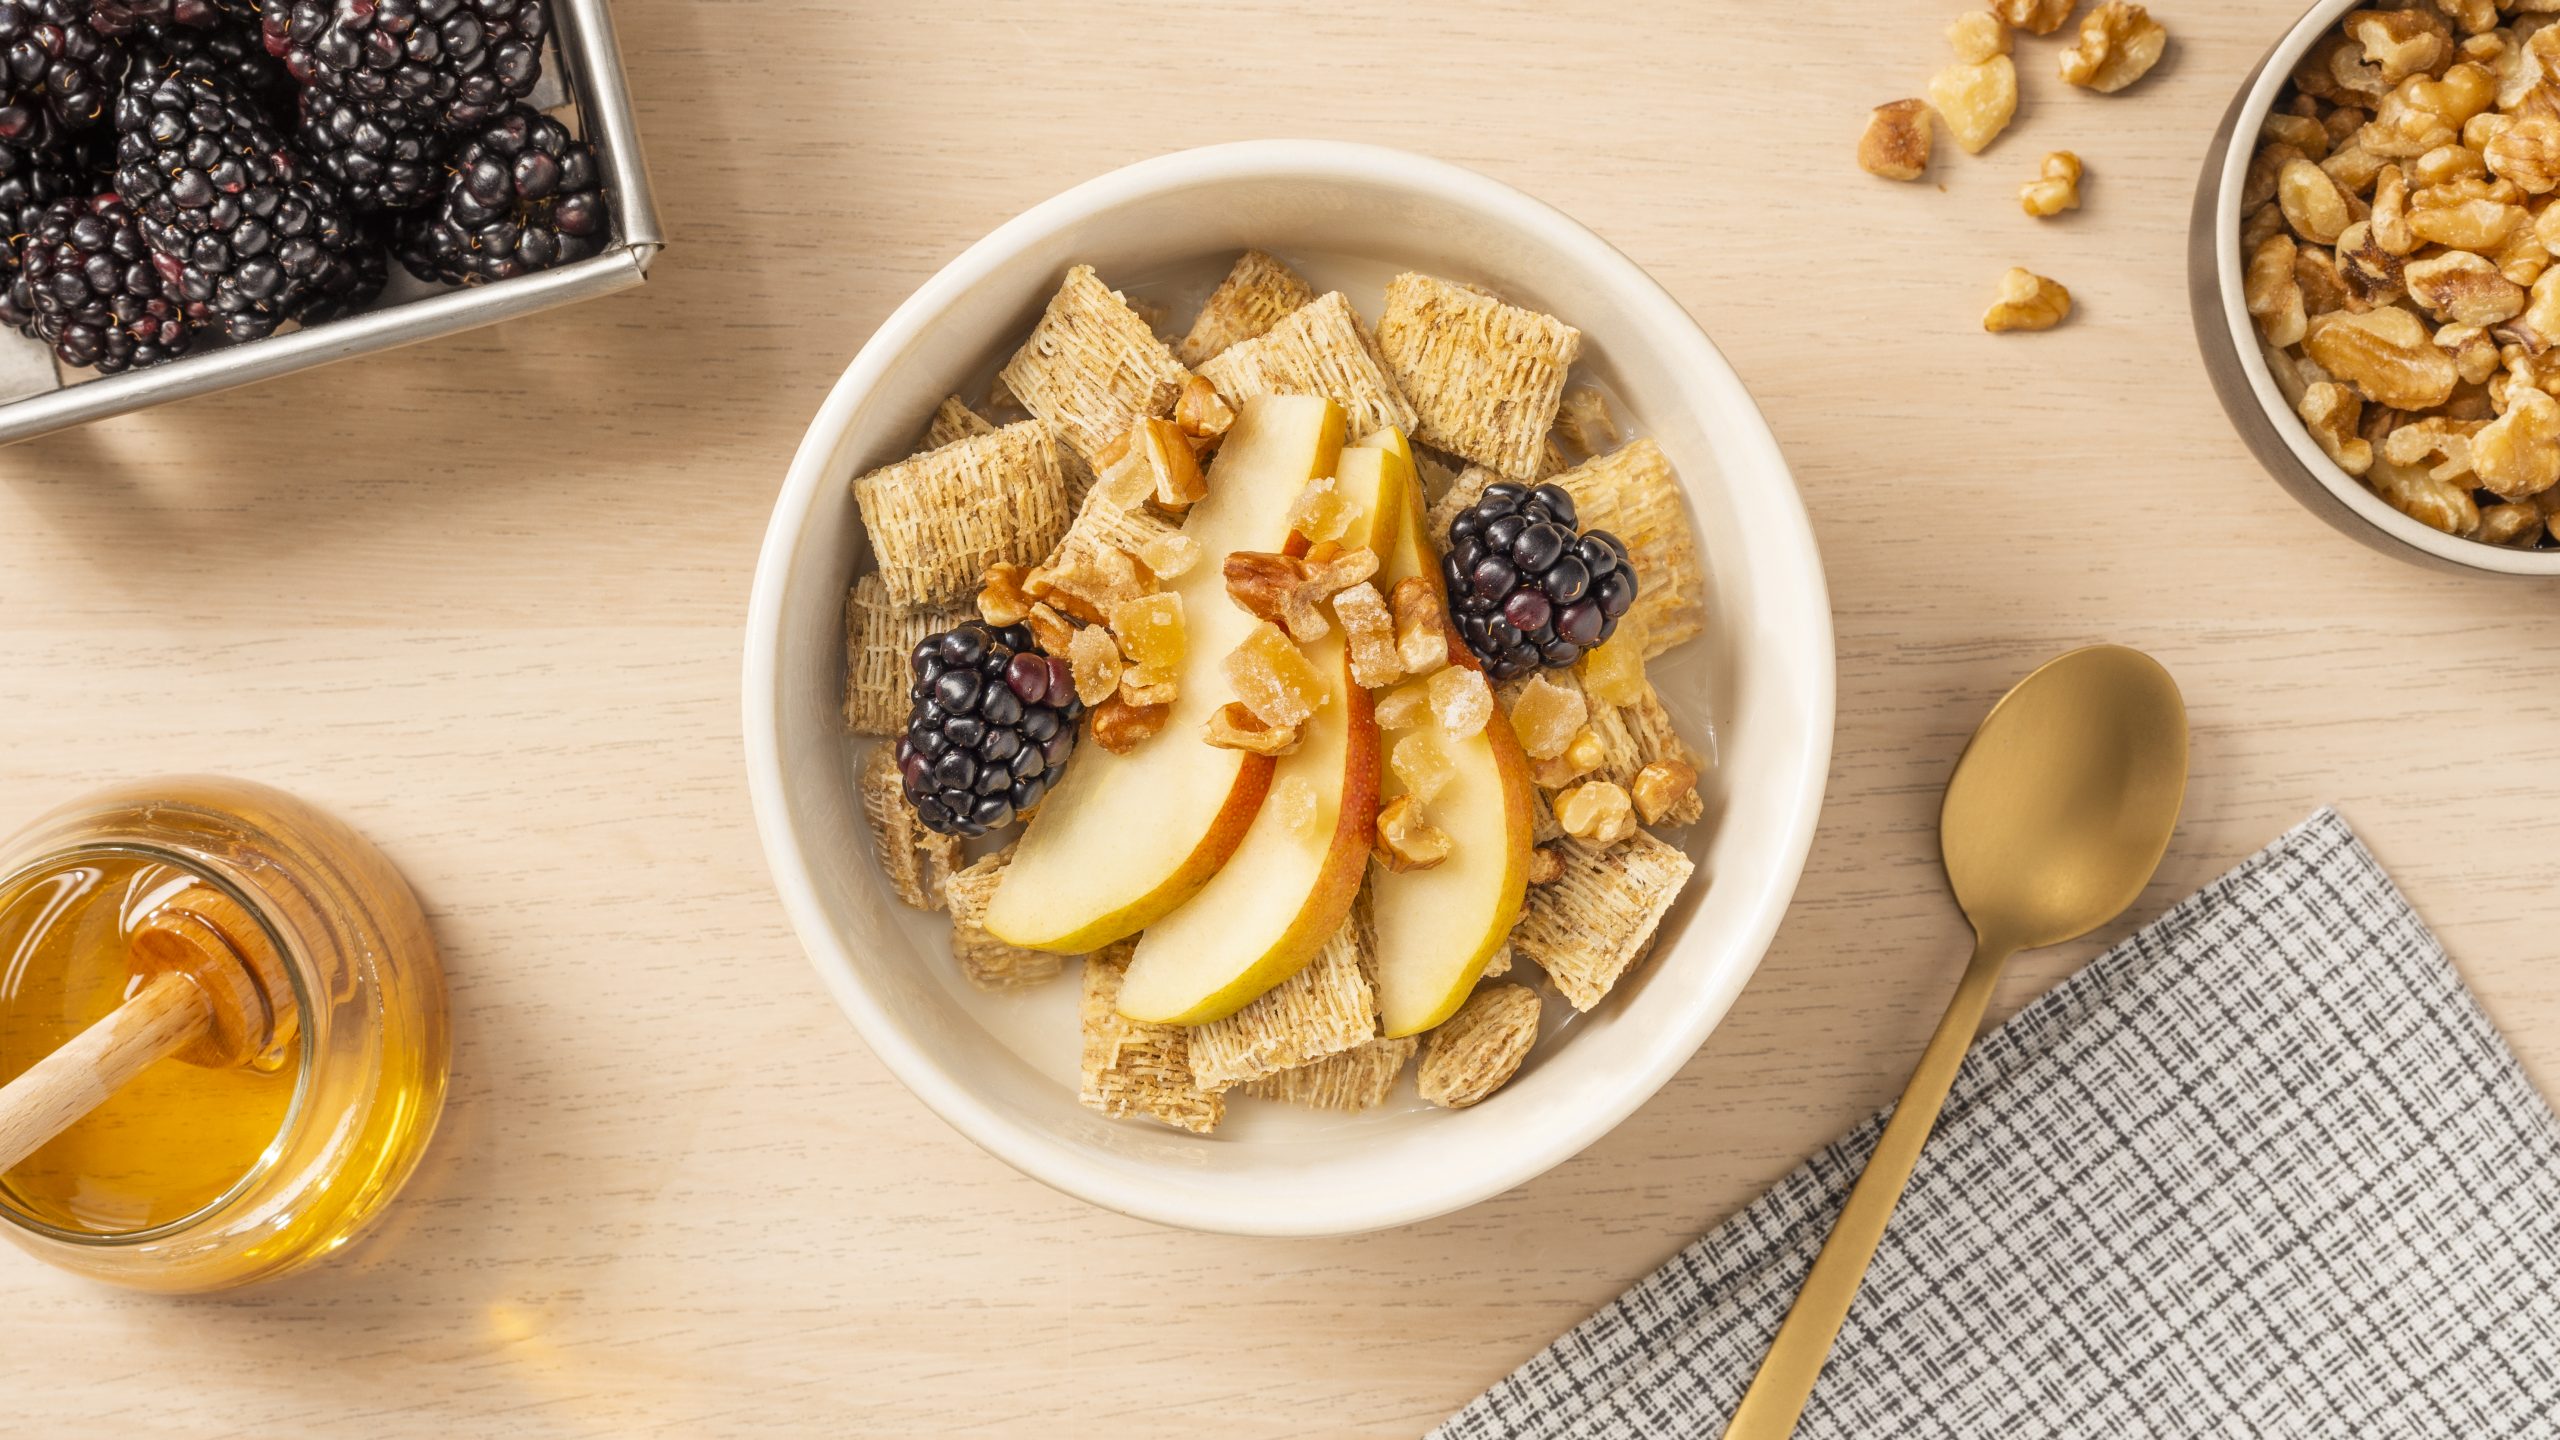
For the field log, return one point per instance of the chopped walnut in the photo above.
(2516, 522)
(1233, 726)
(1052, 632)
(2475, 355)
(1290, 591)
(1001, 600)
(2302, 132)
(2312, 202)
(1596, 811)
(2386, 354)
(2421, 113)
(2390, 212)
(1895, 144)
(2518, 454)
(2119, 43)
(1086, 581)
(1977, 36)
(2445, 443)
(2526, 152)
(1976, 100)
(1584, 753)
(2323, 289)
(2399, 43)
(2036, 17)
(1407, 840)
(1422, 624)
(2461, 288)
(2444, 506)
(2330, 411)
(1141, 686)
(1172, 462)
(1199, 413)
(2258, 183)
(2027, 301)
(1121, 727)
(2055, 190)
(1660, 786)
(2272, 291)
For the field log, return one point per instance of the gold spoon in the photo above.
(2057, 814)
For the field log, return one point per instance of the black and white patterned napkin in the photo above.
(2263, 1170)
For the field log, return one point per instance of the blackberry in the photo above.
(126, 17)
(57, 75)
(379, 164)
(1526, 590)
(450, 64)
(31, 179)
(225, 49)
(90, 290)
(990, 729)
(245, 238)
(524, 196)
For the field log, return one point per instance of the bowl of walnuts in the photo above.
(2370, 271)
(203, 193)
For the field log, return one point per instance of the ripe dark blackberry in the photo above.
(90, 290)
(449, 64)
(991, 727)
(126, 17)
(31, 179)
(57, 75)
(524, 196)
(227, 49)
(379, 164)
(1526, 590)
(243, 235)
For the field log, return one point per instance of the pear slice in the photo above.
(1288, 887)
(1124, 839)
(1437, 928)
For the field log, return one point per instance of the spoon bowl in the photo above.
(2063, 804)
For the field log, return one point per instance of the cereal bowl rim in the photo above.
(2258, 100)
(1791, 609)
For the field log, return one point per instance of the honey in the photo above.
(195, 1178)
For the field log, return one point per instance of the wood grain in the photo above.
(483, 598)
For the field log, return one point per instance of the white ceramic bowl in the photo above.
(2237, 365)
(1000, 1068)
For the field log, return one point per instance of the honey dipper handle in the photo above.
(163, 1017)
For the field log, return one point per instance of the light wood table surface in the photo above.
(484, 598)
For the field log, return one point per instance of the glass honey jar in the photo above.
(200, 1176)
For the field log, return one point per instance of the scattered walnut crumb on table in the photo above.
(1895, 144)
(2027, 301)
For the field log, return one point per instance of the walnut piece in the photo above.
(1895, 143)
(2027, 301)
(2312, 202)
(1232, 726)
(2330, 411)
(1597, 811)
(2518, 454)
(1660, 785)
(1121, 727)
(1976, 100)
(2272, 292)
(2056, 189)
(2386, 354)
(2036, 17)
(2461, 288)
(1406, 839)
(1422, 624)
(1001, 600)
(1290, 591)
(2119, 43)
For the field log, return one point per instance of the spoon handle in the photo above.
(1778, 1393)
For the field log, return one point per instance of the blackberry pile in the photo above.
(991, 726)
(1527, 589)
(215, 169)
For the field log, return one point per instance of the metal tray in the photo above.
(582, 73)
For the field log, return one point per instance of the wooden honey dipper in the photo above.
(214, 993)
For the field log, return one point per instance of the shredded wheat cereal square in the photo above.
(1360, 1078)
(1633, 493)
(952, 421)
(1322, 1010)
(1257, 294)
(877, 638)
(1474, 1052)
(897, 833)
(939, 519)
(1321, 348)
(1484, 377)
(1092, 366)
(989, 963)
(1132, 1067)
(1591, 924)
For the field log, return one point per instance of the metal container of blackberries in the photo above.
(582, 86)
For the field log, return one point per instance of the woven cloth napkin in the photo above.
(2264, 1169)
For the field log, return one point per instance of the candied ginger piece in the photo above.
(1547, 715)
(1370, 632)
(1461, 701)
(1613, 670)
(1421, 761)
(1273, 679)
(1095, 663)
(1293, 800)
(1321, 511)
(1151, 633)
(1174, 553)
(1405, 706)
